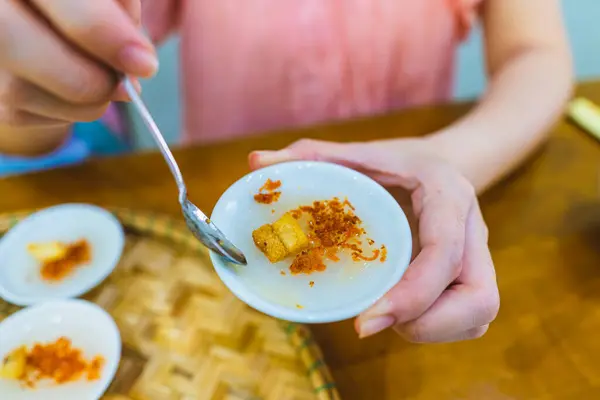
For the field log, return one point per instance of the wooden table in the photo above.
(545, 236)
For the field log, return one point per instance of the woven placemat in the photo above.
(185, 335)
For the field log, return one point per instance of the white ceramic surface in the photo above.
(20, 280)
(346, 288)
(90, 329)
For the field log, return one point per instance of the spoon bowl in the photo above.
(198, 223)
(207, 232)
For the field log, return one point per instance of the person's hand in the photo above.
(57, 59)
(449, 291)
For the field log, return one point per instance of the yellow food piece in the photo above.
(280, 239)
(586, 114)
(268, 242)
(290, 233)
(13, 366)
(47, 252)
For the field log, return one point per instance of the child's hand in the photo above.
(449, 292)
(57, 58)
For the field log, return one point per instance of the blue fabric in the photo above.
(86, 140)
(99, 139)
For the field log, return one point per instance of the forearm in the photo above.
(524, 99)
(31, 141)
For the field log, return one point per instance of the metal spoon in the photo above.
(198, 223)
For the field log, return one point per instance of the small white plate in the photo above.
(344, 289)
(88, 327)
(20, 279)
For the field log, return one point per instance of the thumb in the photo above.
(263, 158)
(310, 150)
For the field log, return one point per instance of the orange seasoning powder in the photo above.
(59, 362)
(332, 227)
(268, 193)
(77, 253)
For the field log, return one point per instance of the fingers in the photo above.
(445, 207)
(105, 31)
(470, 334)
(478, 268)
(261, 159)
(363, 157)
(31, 50)
(464, 310)
(27, 105)
(26, 120)
(41, 103)
(42, 58)
(449, 291)
(305, 149)
(455, 313)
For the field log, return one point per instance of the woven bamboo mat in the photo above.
(185, 336)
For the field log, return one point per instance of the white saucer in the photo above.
(88, 327)
(341, 291)
(20, 280)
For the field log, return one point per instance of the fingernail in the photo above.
(375, 325)
(381, 308)
(139, 61)
(265, 158)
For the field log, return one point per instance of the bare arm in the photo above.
(529, 65)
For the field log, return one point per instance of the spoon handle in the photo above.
(158, 137)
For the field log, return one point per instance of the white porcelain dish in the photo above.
(20, 279)
(89, 328)
(344, 289)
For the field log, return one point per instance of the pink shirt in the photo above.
(251, 66)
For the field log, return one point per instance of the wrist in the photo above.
(448, 144)
(468, 152)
